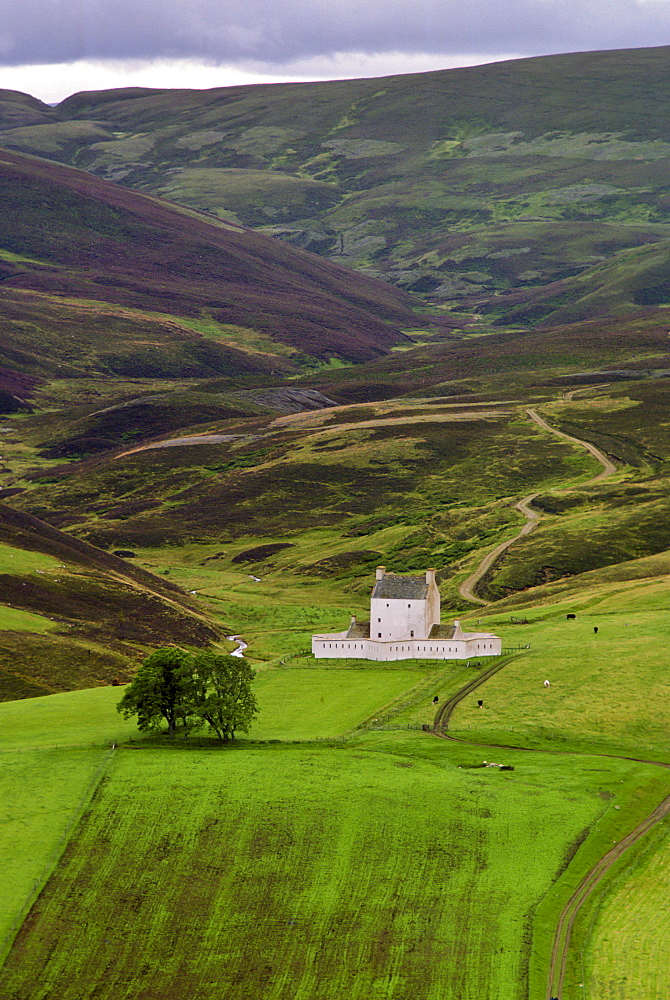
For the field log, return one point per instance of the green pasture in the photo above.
(74, 719)
(630, 799)
(619, 945)
(42, 794)
(311, 703)
(379, 869)
(13, 619)
(420, 708)
(275, 859)
(14, 560)
(609, 690)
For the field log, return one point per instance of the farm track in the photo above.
(609, 468)
(467, 588)
(566, 919)
(444, 712)
(568, 915)
(280, 423)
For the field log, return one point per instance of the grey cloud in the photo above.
(54, 31)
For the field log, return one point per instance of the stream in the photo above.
(241, 645)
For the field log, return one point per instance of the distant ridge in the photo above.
(458, 185)
(68, 233)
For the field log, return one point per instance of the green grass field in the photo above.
(75, 719)
(309, 872)
(622, 952)
(42, 794)
(382, 865)
(313, 703)
(14, 561)
(609, 690)
(13, 619)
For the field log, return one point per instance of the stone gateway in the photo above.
(405, 625)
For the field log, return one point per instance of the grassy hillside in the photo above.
(67, 234)
(338, 875)
(17, 110)
(458, 185)
(73, 616)
(395, 848)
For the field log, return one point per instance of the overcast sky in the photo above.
(52, 48)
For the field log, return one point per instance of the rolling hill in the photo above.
(458, 185)
(74, 616)
(70, 236)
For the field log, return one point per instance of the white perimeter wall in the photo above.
(338, 646)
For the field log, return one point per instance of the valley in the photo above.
(254, 343)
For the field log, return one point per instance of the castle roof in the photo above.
(442, 631)
(359, 630)
(399, 588)
(453, 631)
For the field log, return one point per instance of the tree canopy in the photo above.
(176, 687)
(220, 693)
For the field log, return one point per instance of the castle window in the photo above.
(379, 635)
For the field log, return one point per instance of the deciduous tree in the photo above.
(175, 686)
(221, 694)
(159, 690)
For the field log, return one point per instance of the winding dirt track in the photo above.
(561, 946)
(444, 712)
(609, 468)
(467, 588)
(562, 936)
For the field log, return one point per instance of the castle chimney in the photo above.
(458, 631)
(380, 572)
(353, 620)
(430, 576)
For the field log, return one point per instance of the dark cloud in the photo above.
(54, 31)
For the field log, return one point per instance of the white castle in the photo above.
(405, 625)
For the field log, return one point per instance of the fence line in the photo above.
(325, 660)
(40, 880)
(295, 656)
(418, 726)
